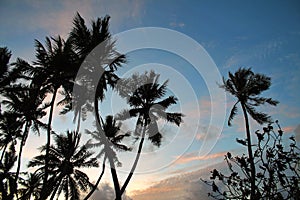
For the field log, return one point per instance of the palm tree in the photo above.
(56, 67)
(11, 72)
(66, 157)
(109, 137)
(98, 71)
(10, 129)
(246, 86)
(7, 178)
(27, 111)
(144, 94)
(101, 68)
(30, 187)
(5, 55)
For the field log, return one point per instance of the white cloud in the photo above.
(177, 24)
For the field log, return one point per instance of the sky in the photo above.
(193, 44)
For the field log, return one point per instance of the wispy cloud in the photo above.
(179, 187)
(177, 24)
(194, 156)
(106, 192)
(56, 18)
(297, 132)
(246, 56)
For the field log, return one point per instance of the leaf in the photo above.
(233, 113)
(242, 142)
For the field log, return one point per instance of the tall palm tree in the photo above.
(146, 97)
(246, 86)
(66, 158)
(109, 137)
(56, 67)
(101, 68)
(27, 111)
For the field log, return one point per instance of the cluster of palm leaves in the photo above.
(59, 69)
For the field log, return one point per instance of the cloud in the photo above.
(257, 52)
(106, 192)
(297, 132)
(177, 24)
(288, 129)
(194, 156)
(56, 18)
(179, 187)
(208, 134)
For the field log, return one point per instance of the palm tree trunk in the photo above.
(44, 194)
(250, 154)
(97, 115)
(78, 121)
(135, 161)
(114, 177)
(24, 138)
(97, 182)
(3, 152)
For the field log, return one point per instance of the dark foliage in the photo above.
(277, 175)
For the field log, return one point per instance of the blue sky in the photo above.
(264, 35)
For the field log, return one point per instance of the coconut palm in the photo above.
(99, 69)
(56, 67)
(109, 138)
(145, 96)
(246, 86)
(7, 178)
(27, 111)
(30, 187)
(66, 158)
(5, 55)
(10, 129)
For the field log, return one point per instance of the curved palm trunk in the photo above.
(135, 162)
(45, 193)
(24, 138)
(252, 165)
(110, 159)
(97, 115)
(97, 182)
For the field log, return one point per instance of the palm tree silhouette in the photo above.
(56, 67)
(11, 130)
(144, 94)
(246, 86)
(102, 66)
(109, 138)
(30, 187)
(7, 178)
(27, 111)
(66, 157)
(5, 56)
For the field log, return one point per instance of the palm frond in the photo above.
(259, 117)
(233, 113)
